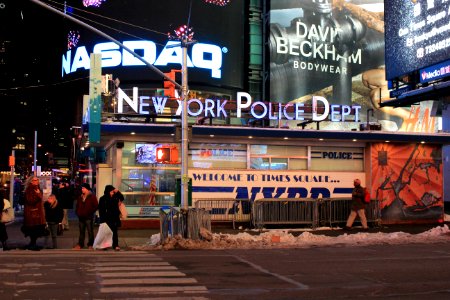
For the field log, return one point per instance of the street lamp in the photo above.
(184, 34)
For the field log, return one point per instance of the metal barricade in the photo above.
(197, 218)
(278, 211)
(226, 210)
(186, 223)
(335, 211)
(173, 222)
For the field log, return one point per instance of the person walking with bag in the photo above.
(86, 207)
(34, 215)
(3, 232)
(108, 209)
(54, 216)
(358, 206)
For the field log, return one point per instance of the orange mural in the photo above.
(407, 180)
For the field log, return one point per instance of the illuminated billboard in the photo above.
(215, 59)
(417, 35)
(319, 47)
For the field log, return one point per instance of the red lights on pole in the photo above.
(167, 155)
(169, 87)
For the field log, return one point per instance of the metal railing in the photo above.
(285, 211)
(312, 212)
(226, 210)
(269, 211)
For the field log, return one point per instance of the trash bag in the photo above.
(103, 239)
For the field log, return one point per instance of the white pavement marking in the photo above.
(164, 280)
(281, 277)
(142, 274)
(155, 289)
(125, 263)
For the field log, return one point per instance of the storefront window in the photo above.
(337, 159)
(145, 181)
(217, 156)
(272, 157)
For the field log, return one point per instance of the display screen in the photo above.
(417, 35)
(146, 153)
(215, 58)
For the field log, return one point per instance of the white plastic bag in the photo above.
(103, 239)
(7, 215)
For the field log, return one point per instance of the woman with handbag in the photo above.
(34, 215)
(108, 208)
(3, 233)
(53, 215)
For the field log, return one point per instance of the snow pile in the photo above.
(284, 239)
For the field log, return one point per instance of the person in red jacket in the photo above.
(86, 207)
(33, 214)
(358, 206)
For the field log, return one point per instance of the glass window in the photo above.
(272, 157)
(337, 159)
(219, 156)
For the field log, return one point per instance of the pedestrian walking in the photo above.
(53, 216)
(86, 207)
(64, 197)
(109, 212)
(3, 232)
(34, 215)
(358, 206)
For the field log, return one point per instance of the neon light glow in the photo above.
(95, 3)
(72, 39)
(218, 2)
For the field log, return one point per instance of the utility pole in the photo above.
(184, 129)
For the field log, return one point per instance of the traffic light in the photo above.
(169, 87)
(167, 154)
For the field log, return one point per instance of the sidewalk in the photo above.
(127, 237)
(138, 237)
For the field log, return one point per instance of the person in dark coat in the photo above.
(3, 232)
(108, 209)
(65, 199)
(86, 207)
(358, 206)
(34, 215)
(53, 215)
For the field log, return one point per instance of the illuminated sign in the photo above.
(203, 56)
(258, 109)
(435, 72)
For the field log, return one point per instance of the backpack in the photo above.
(366, 196)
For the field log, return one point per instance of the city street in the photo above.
(413, 271)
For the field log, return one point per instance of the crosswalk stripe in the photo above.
(142, 274)
(121, 281)
(124, 263)
(154, 289)
(106, 269)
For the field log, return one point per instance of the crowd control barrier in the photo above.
(226, 210)
(312, 212)
(186, 223)
(334, 211)
(276, 211)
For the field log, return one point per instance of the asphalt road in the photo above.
(410, 271)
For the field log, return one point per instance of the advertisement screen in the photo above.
(215, 57)
(321, 48)
(417, 35)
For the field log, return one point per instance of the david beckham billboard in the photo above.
(319, 47)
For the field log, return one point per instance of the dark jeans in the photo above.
(53, 228)
(84, 225)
